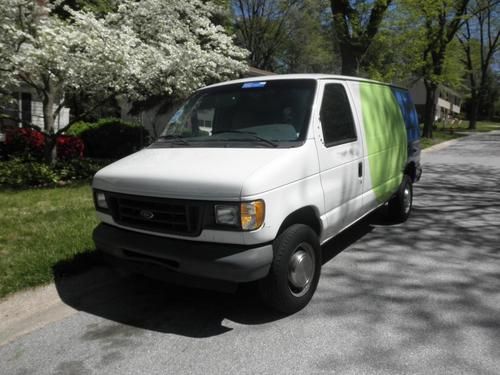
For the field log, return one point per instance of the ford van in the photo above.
(250, 177)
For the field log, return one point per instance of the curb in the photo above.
(442, 145)
(29, 310)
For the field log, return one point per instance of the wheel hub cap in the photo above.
(301, 269)
(407, 199)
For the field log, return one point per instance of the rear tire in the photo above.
(295, 270)
(401, 204)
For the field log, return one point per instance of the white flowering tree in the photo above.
(144, 48)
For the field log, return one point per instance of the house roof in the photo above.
(420, 81)
(450, 91)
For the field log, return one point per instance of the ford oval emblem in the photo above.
(146, 214)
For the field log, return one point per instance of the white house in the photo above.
(448, 102)
(28, 109)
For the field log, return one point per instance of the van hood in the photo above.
(207, 173)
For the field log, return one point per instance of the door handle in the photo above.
(360, 169)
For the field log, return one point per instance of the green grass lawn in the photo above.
(481, 126)
(40, 228)
(443, 134)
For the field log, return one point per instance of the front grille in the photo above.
(171, 216)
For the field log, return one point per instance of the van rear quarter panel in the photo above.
(385, 139)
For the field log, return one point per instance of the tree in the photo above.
(490, 105)
(143, 48)
(390, 57)
(480, 41)
(260, 27)
(286, 36)
(440, 21)
(308, 46)
(355, 27)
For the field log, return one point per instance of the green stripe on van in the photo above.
(385, 136)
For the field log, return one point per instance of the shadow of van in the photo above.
(132, 299)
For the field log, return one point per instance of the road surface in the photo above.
(418, 298)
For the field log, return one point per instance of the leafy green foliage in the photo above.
(397, 51)
(442, 19)
(78, 127)
(308, 47)
(480, 42)
(453, 67)
(19, 173)
(78, 170)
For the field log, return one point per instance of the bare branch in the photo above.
(82, 116)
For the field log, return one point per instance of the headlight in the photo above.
(246, 215)
(227, 215)
(100, 200)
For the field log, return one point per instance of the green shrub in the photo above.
(77, 170)
(111, 138)
(19, 173)
(78, 128)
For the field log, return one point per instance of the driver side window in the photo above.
(336, 116)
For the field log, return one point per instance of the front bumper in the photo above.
(235, 263)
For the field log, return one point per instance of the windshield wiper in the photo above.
(255, 136)
(174, 139)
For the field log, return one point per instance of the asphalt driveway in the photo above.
(418, 298)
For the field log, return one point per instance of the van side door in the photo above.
(340, 152)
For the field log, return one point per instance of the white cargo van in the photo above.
(250, 177)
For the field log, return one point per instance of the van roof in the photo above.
(317, 77)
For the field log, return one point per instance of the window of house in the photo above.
(336, 116)
(26, 107)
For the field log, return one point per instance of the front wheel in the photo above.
(295, 271)
(401, 204)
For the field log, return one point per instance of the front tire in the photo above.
(295, 271)
(401, 204)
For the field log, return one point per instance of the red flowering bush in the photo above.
(69, 147)
(29, 143)
(24, 142)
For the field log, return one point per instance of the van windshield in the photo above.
(272, 113)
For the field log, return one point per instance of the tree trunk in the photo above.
(48, 125)
(473, 111)
(430, 108)
(50, 151)
(349, 61)
(355, 37)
